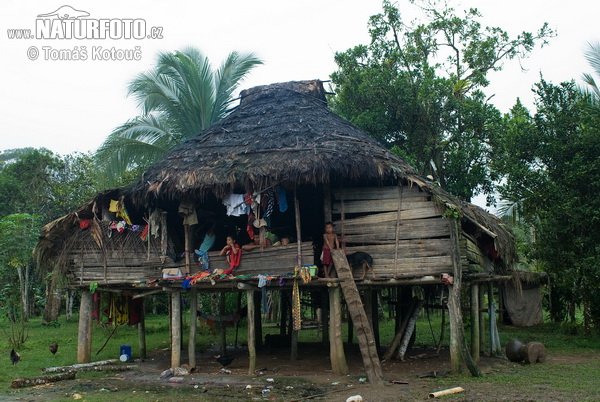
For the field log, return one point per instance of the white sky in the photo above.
(68, 106)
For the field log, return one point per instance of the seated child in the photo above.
(234, 254)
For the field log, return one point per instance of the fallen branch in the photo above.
(75, 367)
(28, 382)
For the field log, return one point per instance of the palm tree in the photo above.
(179, 98)
(592, 55)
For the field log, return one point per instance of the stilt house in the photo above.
(283, 145)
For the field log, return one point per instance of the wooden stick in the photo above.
(251, 340)
(29, 382)
(193, 326)
(107, 339)
(75, 367)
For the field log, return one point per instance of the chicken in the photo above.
(14, 357)
(54, 348)
(224, 360)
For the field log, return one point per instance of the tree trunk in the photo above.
(69, 304)
(459, 353)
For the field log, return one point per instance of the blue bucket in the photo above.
(125, 350)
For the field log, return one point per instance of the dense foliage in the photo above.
(551, 162)
(418, 88)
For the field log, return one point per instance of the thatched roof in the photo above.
(279, 132)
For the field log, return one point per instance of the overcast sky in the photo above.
(68, 106)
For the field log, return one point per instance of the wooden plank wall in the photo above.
(401, 228)
(123, 258)
(275, 260)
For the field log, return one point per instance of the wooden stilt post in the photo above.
(475, 321)
(258, 318)
(375, 316)
(222, 326)
(175, 328)
(336, 343)
(188, 248)
(142, 331)
(84, 339)
(193, 326)
(283, 311)
(481, 321)
(251, 334)
(356, 309)
(325, 316)
(459, 352)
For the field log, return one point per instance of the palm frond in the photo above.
(228, 77)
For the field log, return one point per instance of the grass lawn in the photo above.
(572, 373)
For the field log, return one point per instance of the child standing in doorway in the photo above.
(330, 242)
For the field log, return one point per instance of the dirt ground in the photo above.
(283, 380)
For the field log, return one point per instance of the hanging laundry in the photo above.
(250, 227)
(235, 204)
(296, 306)
(270, 203)
(144, 235)
(114, 206)
(187, 210)
(283, 206)
(119, 309)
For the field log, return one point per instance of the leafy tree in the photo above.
(179, 98)
(551, 162)
(36, 181)
(419, 89)
(18, 236)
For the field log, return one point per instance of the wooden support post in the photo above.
(481, 321)
(258, 301)
(410, 330)
(222, 326)
(251, 334)
(188, 248)
(294, 351)
(336, 343)
(325, 316)
(175, 328)
(475, 321)
(284, 312)
(142, 332)
(400, 331)
(356, 309)
(84, 339)
(375, 316)
(193, 327)
(459, 353)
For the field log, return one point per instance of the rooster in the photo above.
(224, 360)
(54, 348)
(14, 357)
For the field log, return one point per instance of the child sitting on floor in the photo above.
(234, 254)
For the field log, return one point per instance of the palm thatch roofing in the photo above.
(281, 133)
